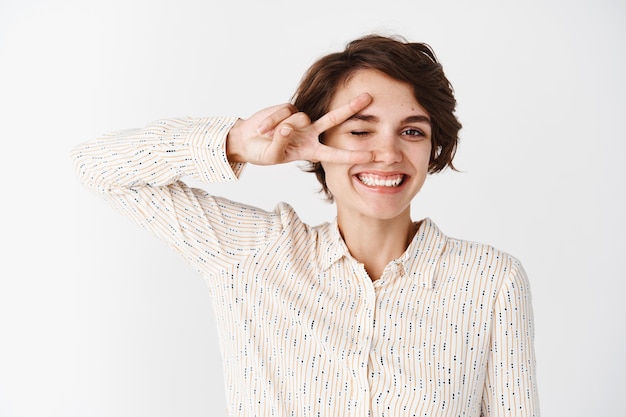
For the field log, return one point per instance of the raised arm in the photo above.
(139, 172)
(210, 149)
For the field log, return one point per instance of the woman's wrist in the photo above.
(234, 141)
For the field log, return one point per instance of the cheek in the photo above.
(359, 145)
(333, 173)
(422, 153)
(426, 157)
(342, 140)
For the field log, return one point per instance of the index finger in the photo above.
(342, 113)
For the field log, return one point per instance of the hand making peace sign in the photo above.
(281, 134)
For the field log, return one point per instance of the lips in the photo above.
(376, 180)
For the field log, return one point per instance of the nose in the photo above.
(387, 149)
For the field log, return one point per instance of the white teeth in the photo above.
(373, 181)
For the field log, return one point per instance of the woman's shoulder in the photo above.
(477, 259)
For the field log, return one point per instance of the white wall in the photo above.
(97, 318)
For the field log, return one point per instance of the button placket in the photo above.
(364, 326)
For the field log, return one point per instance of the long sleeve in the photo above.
(157, 155)
(510, 383)
(139, 172)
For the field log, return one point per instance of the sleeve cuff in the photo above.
(208, 150)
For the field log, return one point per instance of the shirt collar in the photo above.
(331, 246)
(420, 260)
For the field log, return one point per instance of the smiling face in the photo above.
(397, 130)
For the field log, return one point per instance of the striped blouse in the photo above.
(446, 331)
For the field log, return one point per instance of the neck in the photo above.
(375, 242)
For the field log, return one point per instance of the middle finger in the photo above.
(342, 113)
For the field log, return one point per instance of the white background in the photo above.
(98, 318)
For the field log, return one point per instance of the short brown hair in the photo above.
(412, 63)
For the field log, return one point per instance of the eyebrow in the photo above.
(418, 118)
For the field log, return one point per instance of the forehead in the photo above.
(386, 92)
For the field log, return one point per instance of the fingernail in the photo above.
(285, 130)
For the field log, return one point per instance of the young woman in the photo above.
(373, 314)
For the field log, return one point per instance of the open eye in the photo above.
(413, 132)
